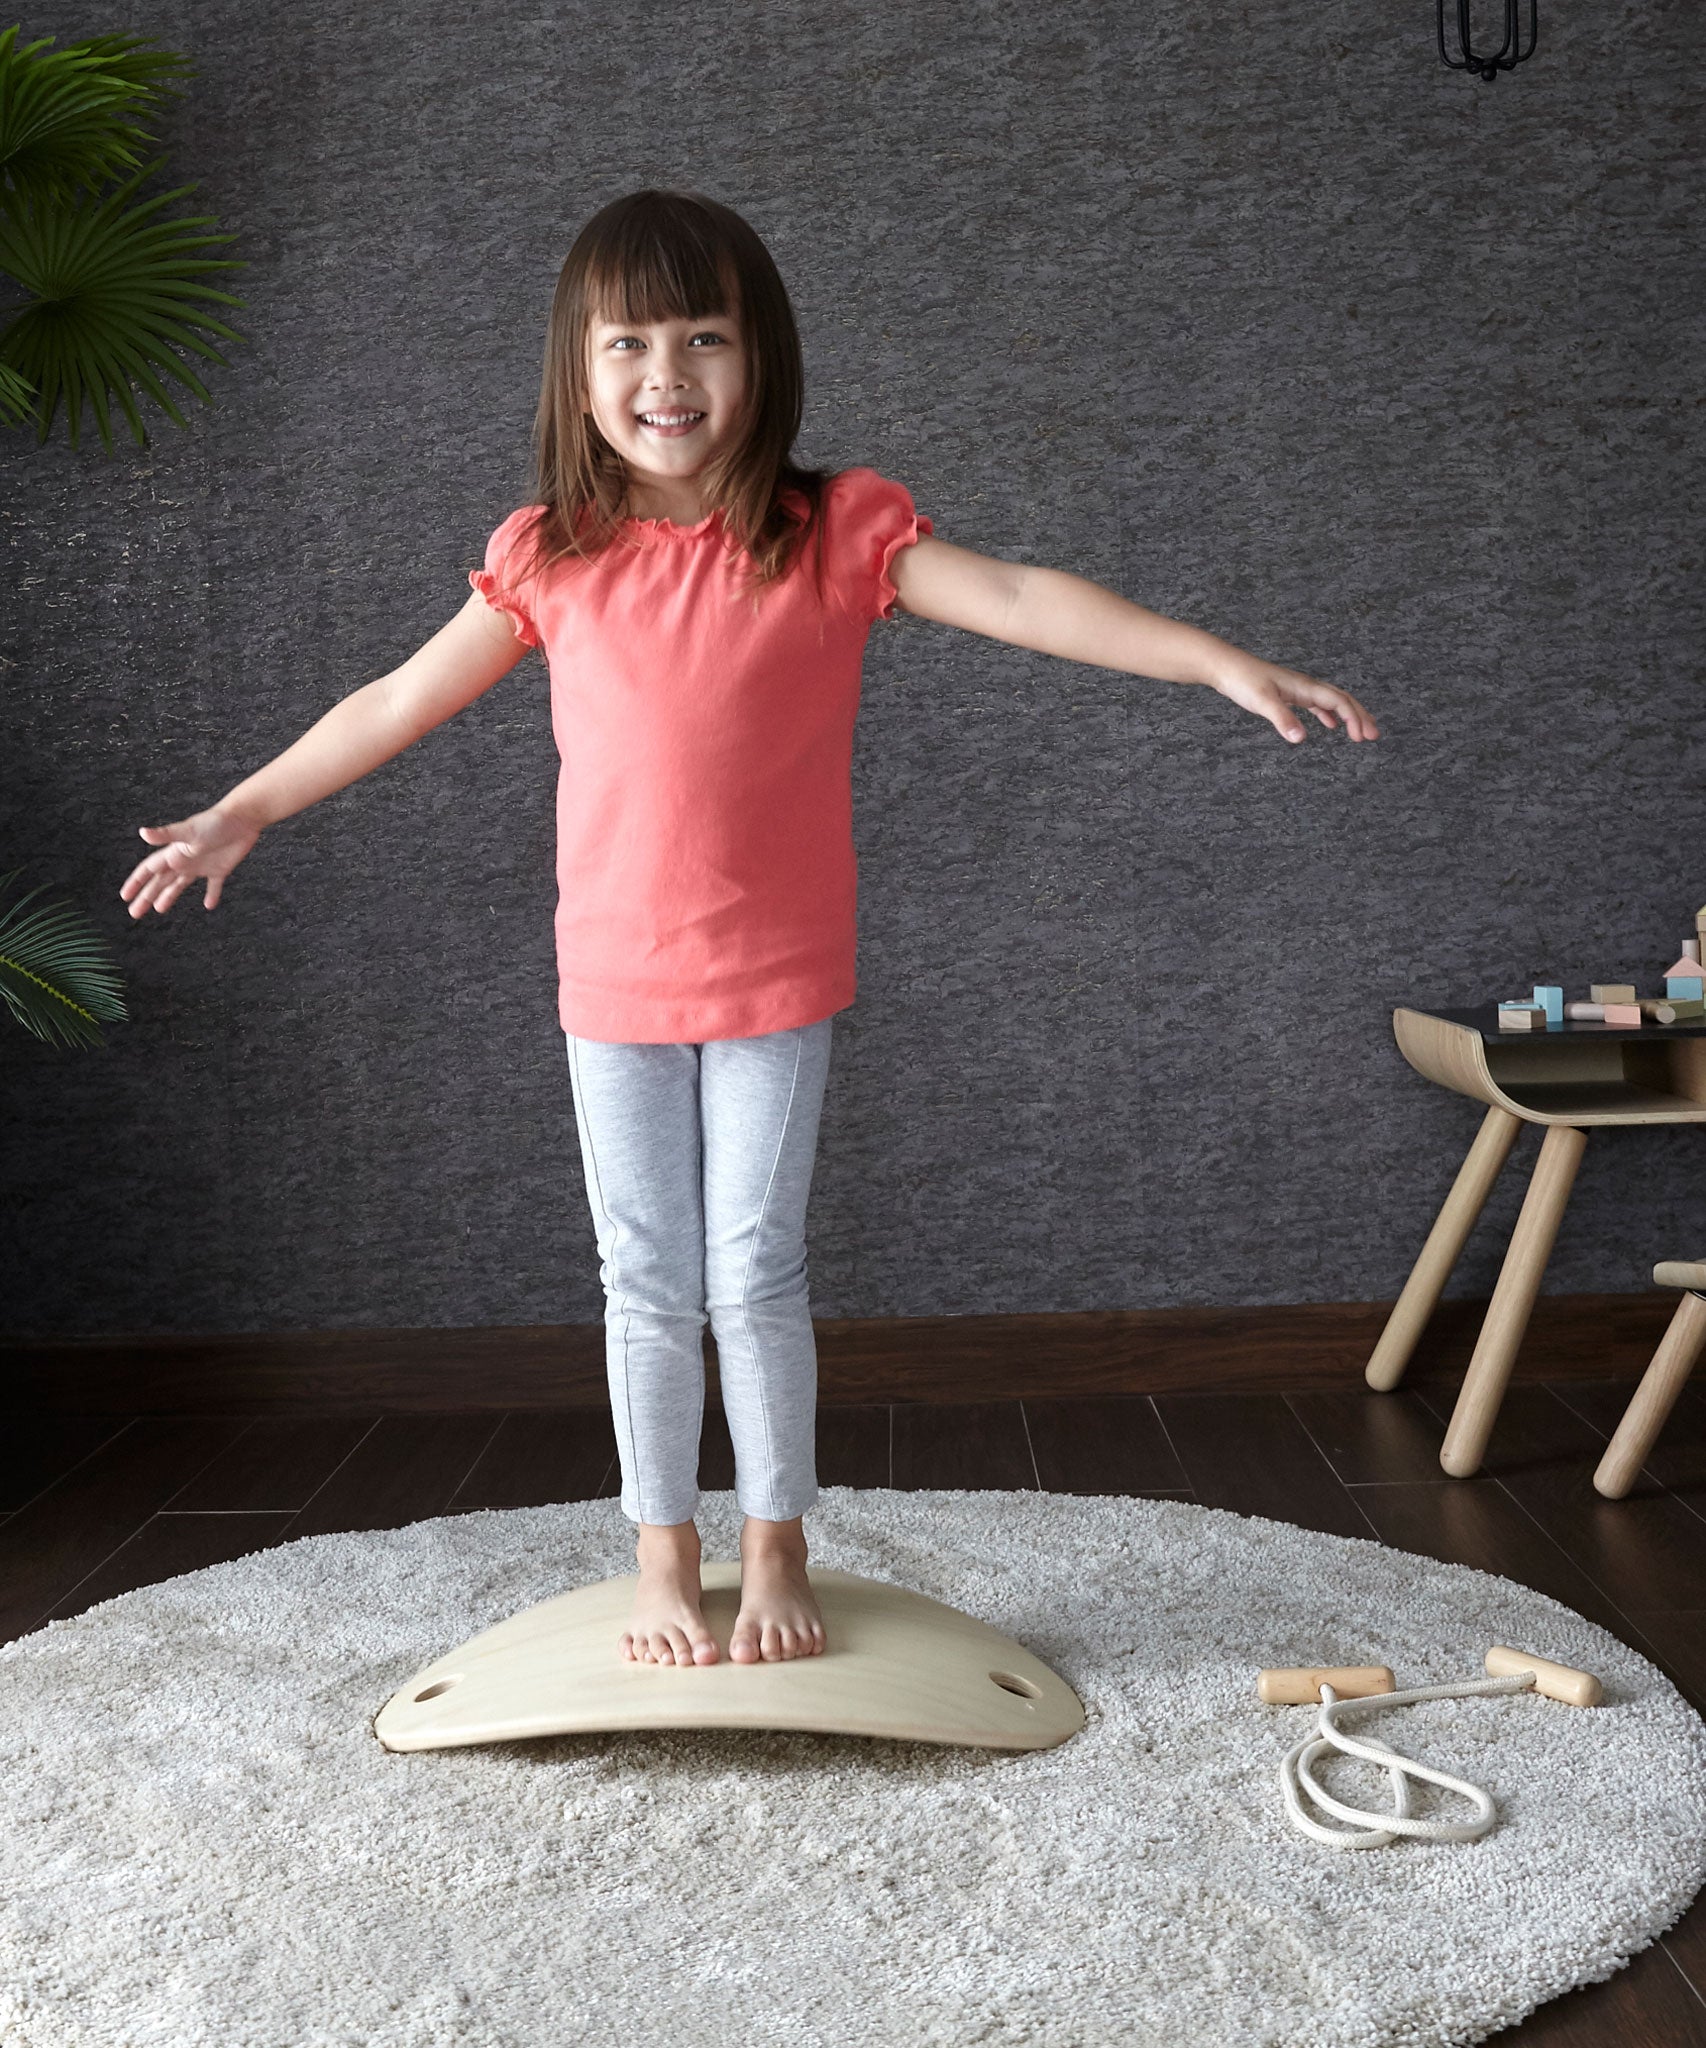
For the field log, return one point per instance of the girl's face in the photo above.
(666, 398)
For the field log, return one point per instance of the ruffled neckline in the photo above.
(667, 529)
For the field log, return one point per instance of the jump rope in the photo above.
(1352, 1689)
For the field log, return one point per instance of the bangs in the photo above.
(662, 278)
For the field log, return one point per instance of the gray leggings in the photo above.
(698, 1162)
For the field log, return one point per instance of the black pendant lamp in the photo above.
(1509, 53)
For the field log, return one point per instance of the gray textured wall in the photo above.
(1256, 314)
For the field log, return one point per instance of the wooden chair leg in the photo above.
(1655, 1397)
(1507, 1313)
(1458, 1212)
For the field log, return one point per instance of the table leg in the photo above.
(1655, 1397)
(1507, 1313)
(1468, 1197)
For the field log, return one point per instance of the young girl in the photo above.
(704, 604)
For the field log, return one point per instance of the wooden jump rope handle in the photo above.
(1556, 1681)
(1302, 1685)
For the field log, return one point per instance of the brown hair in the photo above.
(663, 255)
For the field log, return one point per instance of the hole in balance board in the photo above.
(1022, 1686)
(444, 1684)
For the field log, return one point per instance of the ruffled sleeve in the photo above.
(495, 583)
(874, 519)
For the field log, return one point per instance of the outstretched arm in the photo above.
(1055, 612)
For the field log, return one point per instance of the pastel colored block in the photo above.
(1586, 1013)
(1623, 1013)
(1520, 1017)
(1612, 992)
(1551, 1000)
(1687, 986)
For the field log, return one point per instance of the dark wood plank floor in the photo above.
(93, 1506)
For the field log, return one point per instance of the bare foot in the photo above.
(668, 1624)
(779, 1616)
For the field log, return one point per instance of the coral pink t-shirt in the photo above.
(706, 883)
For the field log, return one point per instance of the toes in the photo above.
(774, 1642)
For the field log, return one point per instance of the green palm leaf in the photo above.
(17, 398)
(112, 292)
(55, 973)
(61, 116)
(110, 295)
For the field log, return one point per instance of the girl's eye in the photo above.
(704, 335)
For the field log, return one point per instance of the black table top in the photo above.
(1485, 1019)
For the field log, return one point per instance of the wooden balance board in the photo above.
(897, 1663)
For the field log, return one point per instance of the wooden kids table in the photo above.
(1568, 1077)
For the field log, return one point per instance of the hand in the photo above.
(1270, 692)
(211, 843)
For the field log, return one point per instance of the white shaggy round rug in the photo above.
(207, 1847)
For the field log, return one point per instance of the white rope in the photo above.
(1294, 1770)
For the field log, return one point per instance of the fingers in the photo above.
(1311, 694)
(161, 892)
(141, 889)
(155, 884)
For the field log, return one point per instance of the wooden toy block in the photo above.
(1556, 1681)
(1588, 1013)
(1691, 949)
(1300, 1685)
(1611, 992)
(1521, 1017)
(1670, 1009)
(1623, 1013)
(1551, 1000)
